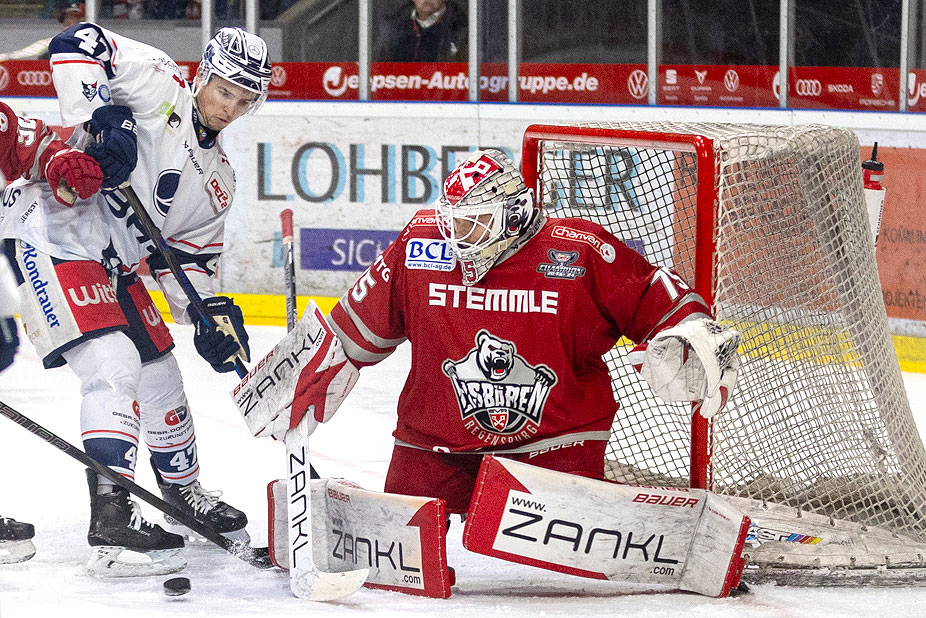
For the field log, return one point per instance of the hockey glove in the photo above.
(220, 345)
(692, 361)
(116, 146)
(9, 341)
(71, 174)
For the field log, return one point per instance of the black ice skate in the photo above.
(116, 526)
(15, 541)
(206, 507)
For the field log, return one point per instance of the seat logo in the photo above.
(637, 84)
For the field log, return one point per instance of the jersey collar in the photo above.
(204, 135)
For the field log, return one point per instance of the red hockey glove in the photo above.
(71, 172)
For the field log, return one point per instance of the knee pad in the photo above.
(109, 369)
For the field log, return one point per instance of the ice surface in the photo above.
(48, 489)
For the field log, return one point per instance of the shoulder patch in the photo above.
(606, 250)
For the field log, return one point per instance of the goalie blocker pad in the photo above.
(401, 539)
(687, 539)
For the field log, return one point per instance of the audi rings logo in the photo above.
(637, 83)
(4, 77)
(278, 76)
(34, 78)
(731, 80)
(808, 87)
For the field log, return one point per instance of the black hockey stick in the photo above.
(177, 270)
(256, 557)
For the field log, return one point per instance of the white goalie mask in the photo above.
(241, 58)
(484, 207)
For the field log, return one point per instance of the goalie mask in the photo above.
(239, 57)
(484, 208)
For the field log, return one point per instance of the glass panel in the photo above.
(846, 54)
(719, 52)
(574, 51)
(420, 50)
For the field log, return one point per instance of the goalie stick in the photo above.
(256, 557)
(306, 580)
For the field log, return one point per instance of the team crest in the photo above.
(501, 396)
(89, 90)
(561, 266)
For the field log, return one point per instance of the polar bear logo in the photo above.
(494, 357)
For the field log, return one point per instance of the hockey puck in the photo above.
(176, 586)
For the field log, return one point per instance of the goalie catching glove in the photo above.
(221, 343)
(692, 361)
(306, 373)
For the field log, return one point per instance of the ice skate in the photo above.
(15, 541)
(205, 506)
(122, 543)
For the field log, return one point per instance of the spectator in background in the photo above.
(68, 14)
(425, 31)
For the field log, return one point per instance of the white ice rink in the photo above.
(47, 488)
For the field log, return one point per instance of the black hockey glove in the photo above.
(9, 341)
(116, 146)
(219, 345)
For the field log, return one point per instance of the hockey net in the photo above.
(817, 443)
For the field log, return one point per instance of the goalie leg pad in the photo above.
(687, 539)
(401, 539)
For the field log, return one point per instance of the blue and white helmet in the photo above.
(241, 58)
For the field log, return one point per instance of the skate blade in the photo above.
(107, 561)
(239, 537)
(12, 552)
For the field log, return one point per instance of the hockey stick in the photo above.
(177, 270)
(305, 579)
(174, 265)
(255, 557)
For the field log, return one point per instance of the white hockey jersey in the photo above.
(183, 177)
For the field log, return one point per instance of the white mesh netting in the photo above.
(819, 419)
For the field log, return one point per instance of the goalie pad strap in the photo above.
(689, 539)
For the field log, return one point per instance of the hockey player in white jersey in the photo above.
(84, 305)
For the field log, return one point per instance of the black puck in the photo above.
(176, 586)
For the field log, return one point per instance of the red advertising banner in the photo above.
(26, 78)
(863, 88)
(916, 90)
(718, 85)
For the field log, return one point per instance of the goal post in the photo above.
(769, 225)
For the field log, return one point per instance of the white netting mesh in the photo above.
(819, 420)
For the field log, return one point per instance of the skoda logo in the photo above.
(637, 83)
(278, 77)
(4, 78)
(808, 87)
(34, 78)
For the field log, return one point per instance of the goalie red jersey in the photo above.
(513, 362)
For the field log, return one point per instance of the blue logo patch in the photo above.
(429, 255)
(165, 189)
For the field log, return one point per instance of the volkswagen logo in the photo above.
(808, 87)
(637, 84)
(4, 78)
(278, 77)
(34, 78)
(731, 80)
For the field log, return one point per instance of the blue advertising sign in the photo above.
(328, 249)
